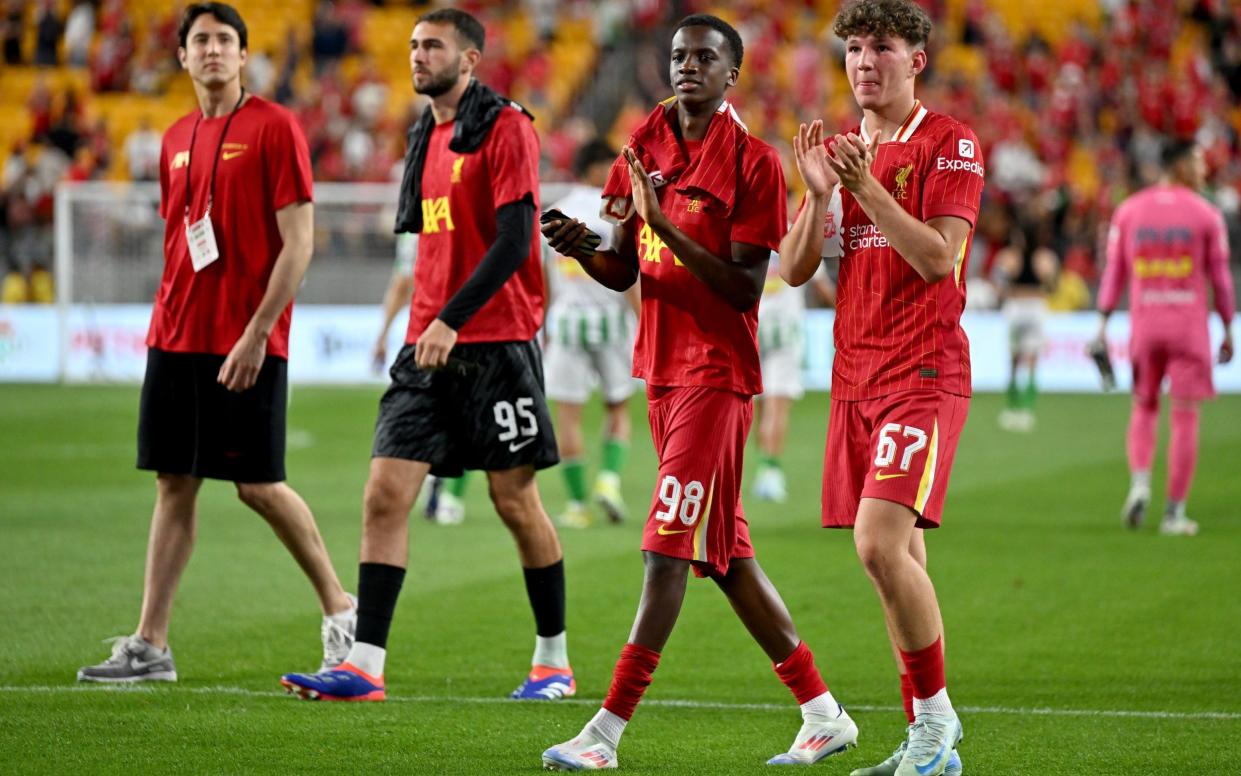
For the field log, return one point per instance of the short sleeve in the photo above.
(953, 185)
(512, 154)
(287, 160)
(761, 215)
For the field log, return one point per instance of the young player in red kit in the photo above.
(700, 204)
(467, 387)
(906, 186)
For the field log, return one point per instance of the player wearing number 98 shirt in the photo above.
(896, 198)
(700, 203)
(467, 388)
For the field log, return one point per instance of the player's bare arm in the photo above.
(616, 268)
(296, 223)
(739, 278)
(930, 247)
(801, 248)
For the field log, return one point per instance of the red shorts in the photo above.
(696, 512)
(896, 448)
(1187, 365)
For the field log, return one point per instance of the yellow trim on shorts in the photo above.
(928, 472)
(700, 535)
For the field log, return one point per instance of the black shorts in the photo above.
(485, 410)
(190, 424)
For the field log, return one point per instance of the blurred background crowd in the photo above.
(1071, 100)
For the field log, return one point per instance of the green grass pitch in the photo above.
(1074, 646)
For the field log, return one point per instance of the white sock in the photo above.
(367, 657)
(936, 704)
(606, 727)
(1140, 480)
(551, 651)
(822, 709)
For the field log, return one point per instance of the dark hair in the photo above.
(719, 25)
(590, 154)
(466, 25)
(1176, 150)
(895, 18)
(223, 12)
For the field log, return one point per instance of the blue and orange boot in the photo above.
(546, 683)
(346, 682)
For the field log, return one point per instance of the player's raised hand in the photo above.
(811, 154)
(1225, 348)
(645, 200)
(565, 236)
(434, 344)
(241, 368)
(850, 157)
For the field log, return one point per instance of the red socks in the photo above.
(925, 668)
(907, 697)
(630, 679)
(799, 674)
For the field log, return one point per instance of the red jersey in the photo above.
(263, 166)
(687, 334)
(894, 331)
(460, 195)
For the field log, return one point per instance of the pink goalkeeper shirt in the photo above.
(1166, 242)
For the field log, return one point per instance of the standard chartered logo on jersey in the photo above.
(436, 216)
(866, 236)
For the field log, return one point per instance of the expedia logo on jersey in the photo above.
(436, 216)
(965, 150)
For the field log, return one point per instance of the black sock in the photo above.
(378, 587)
(545, 587)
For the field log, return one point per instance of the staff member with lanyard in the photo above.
(238, 240)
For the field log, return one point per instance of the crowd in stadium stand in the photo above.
(1069, 125)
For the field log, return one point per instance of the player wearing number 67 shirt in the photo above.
(700, 204)
(907, 186)
(467, 388)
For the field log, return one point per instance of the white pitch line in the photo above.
(681, 704)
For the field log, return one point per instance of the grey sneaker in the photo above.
(132, 660)
(932, 739)
(888, 767)
(337, 640)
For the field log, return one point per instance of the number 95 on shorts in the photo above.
(486, 410)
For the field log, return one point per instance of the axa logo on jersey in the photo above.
(436, 216)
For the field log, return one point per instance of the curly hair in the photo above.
(896, 18)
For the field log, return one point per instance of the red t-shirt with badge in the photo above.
(894, 331)
(460, 196)
(264, 165)
(687, 333)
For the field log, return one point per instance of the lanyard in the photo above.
(215, 166)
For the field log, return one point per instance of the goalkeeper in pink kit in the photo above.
(1168, 243)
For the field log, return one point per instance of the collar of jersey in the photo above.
(908, 127)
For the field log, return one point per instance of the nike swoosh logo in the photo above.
(665, 532)
(515, 446)
(930, 766)
(881, 476)
(232, 154)
(140, 665)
